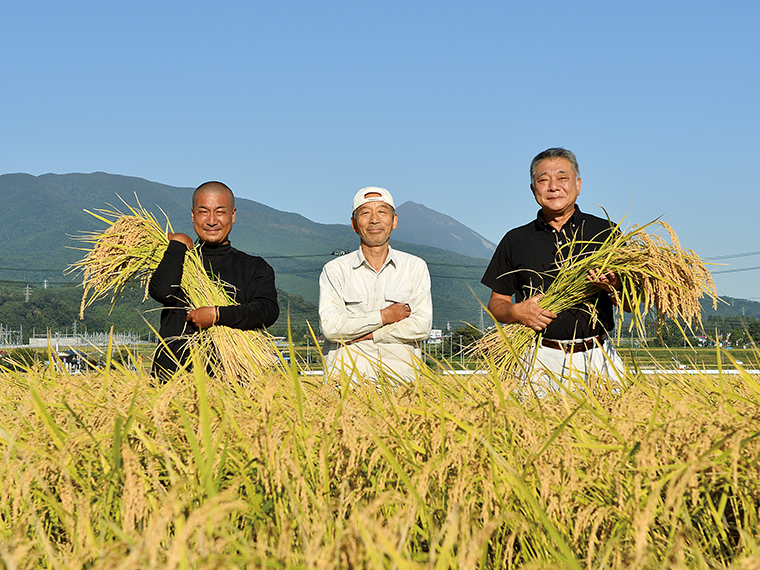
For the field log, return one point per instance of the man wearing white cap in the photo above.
(374, 303)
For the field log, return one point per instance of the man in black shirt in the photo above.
(524, 265)
(248, 280)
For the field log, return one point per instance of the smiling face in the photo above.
(374, 222)
(555, 187)
(213, 214)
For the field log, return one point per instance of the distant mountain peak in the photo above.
(424, 226)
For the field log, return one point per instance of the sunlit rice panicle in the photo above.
(654, 274)
(129, 250)
(107, 469)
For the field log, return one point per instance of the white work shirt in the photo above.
(351, 295)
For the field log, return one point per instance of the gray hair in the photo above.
(556, 152)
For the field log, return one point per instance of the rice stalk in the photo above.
(129, 250)
(654, 274)
(437, 474)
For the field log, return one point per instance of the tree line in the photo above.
(56, 309)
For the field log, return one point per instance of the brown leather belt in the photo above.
(577, 346)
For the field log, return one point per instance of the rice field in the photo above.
(108, 470)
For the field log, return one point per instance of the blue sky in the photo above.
(299, 104)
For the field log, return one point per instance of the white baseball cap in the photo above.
(370, 194)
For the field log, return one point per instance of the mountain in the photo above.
(421, 225)
(730, 307)
(42, 214)
(47, 211)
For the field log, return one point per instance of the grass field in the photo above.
(107, 470)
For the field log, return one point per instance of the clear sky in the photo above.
(299, 104)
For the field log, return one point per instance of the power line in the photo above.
(296, 256)
(10, 282)
(30, 269)
(736, 270)
(334, 253)
(476, 278)
(732, 255)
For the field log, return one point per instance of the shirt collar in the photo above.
(543, 225)
(211, 249)
(360, 260)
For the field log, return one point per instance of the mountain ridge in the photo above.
(48, 210)
(431, 227)
(52, 208)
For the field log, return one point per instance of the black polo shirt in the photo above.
(524, 265)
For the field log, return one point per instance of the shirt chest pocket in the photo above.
(399, 292)
(352, 299)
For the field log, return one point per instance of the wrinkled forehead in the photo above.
(554, 164)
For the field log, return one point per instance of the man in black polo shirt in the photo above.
(523, 265)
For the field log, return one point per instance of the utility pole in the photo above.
(27, 293)
(482, 326)
(44, 284)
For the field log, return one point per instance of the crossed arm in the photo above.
(404, 321)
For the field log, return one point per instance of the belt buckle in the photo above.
(575, 346)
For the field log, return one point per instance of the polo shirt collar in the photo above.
(543, 225)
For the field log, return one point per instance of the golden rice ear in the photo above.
(127, 251)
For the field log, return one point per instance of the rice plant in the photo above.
(108, 470)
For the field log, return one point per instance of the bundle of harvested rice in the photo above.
(653, 273)
(129, 250)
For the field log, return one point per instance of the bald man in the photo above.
(248, 280)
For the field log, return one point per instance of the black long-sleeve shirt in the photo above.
(248, 280)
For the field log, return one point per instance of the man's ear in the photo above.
(395, 221)
(234, 211)
(353, 227)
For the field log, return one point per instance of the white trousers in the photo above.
(548, 368)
